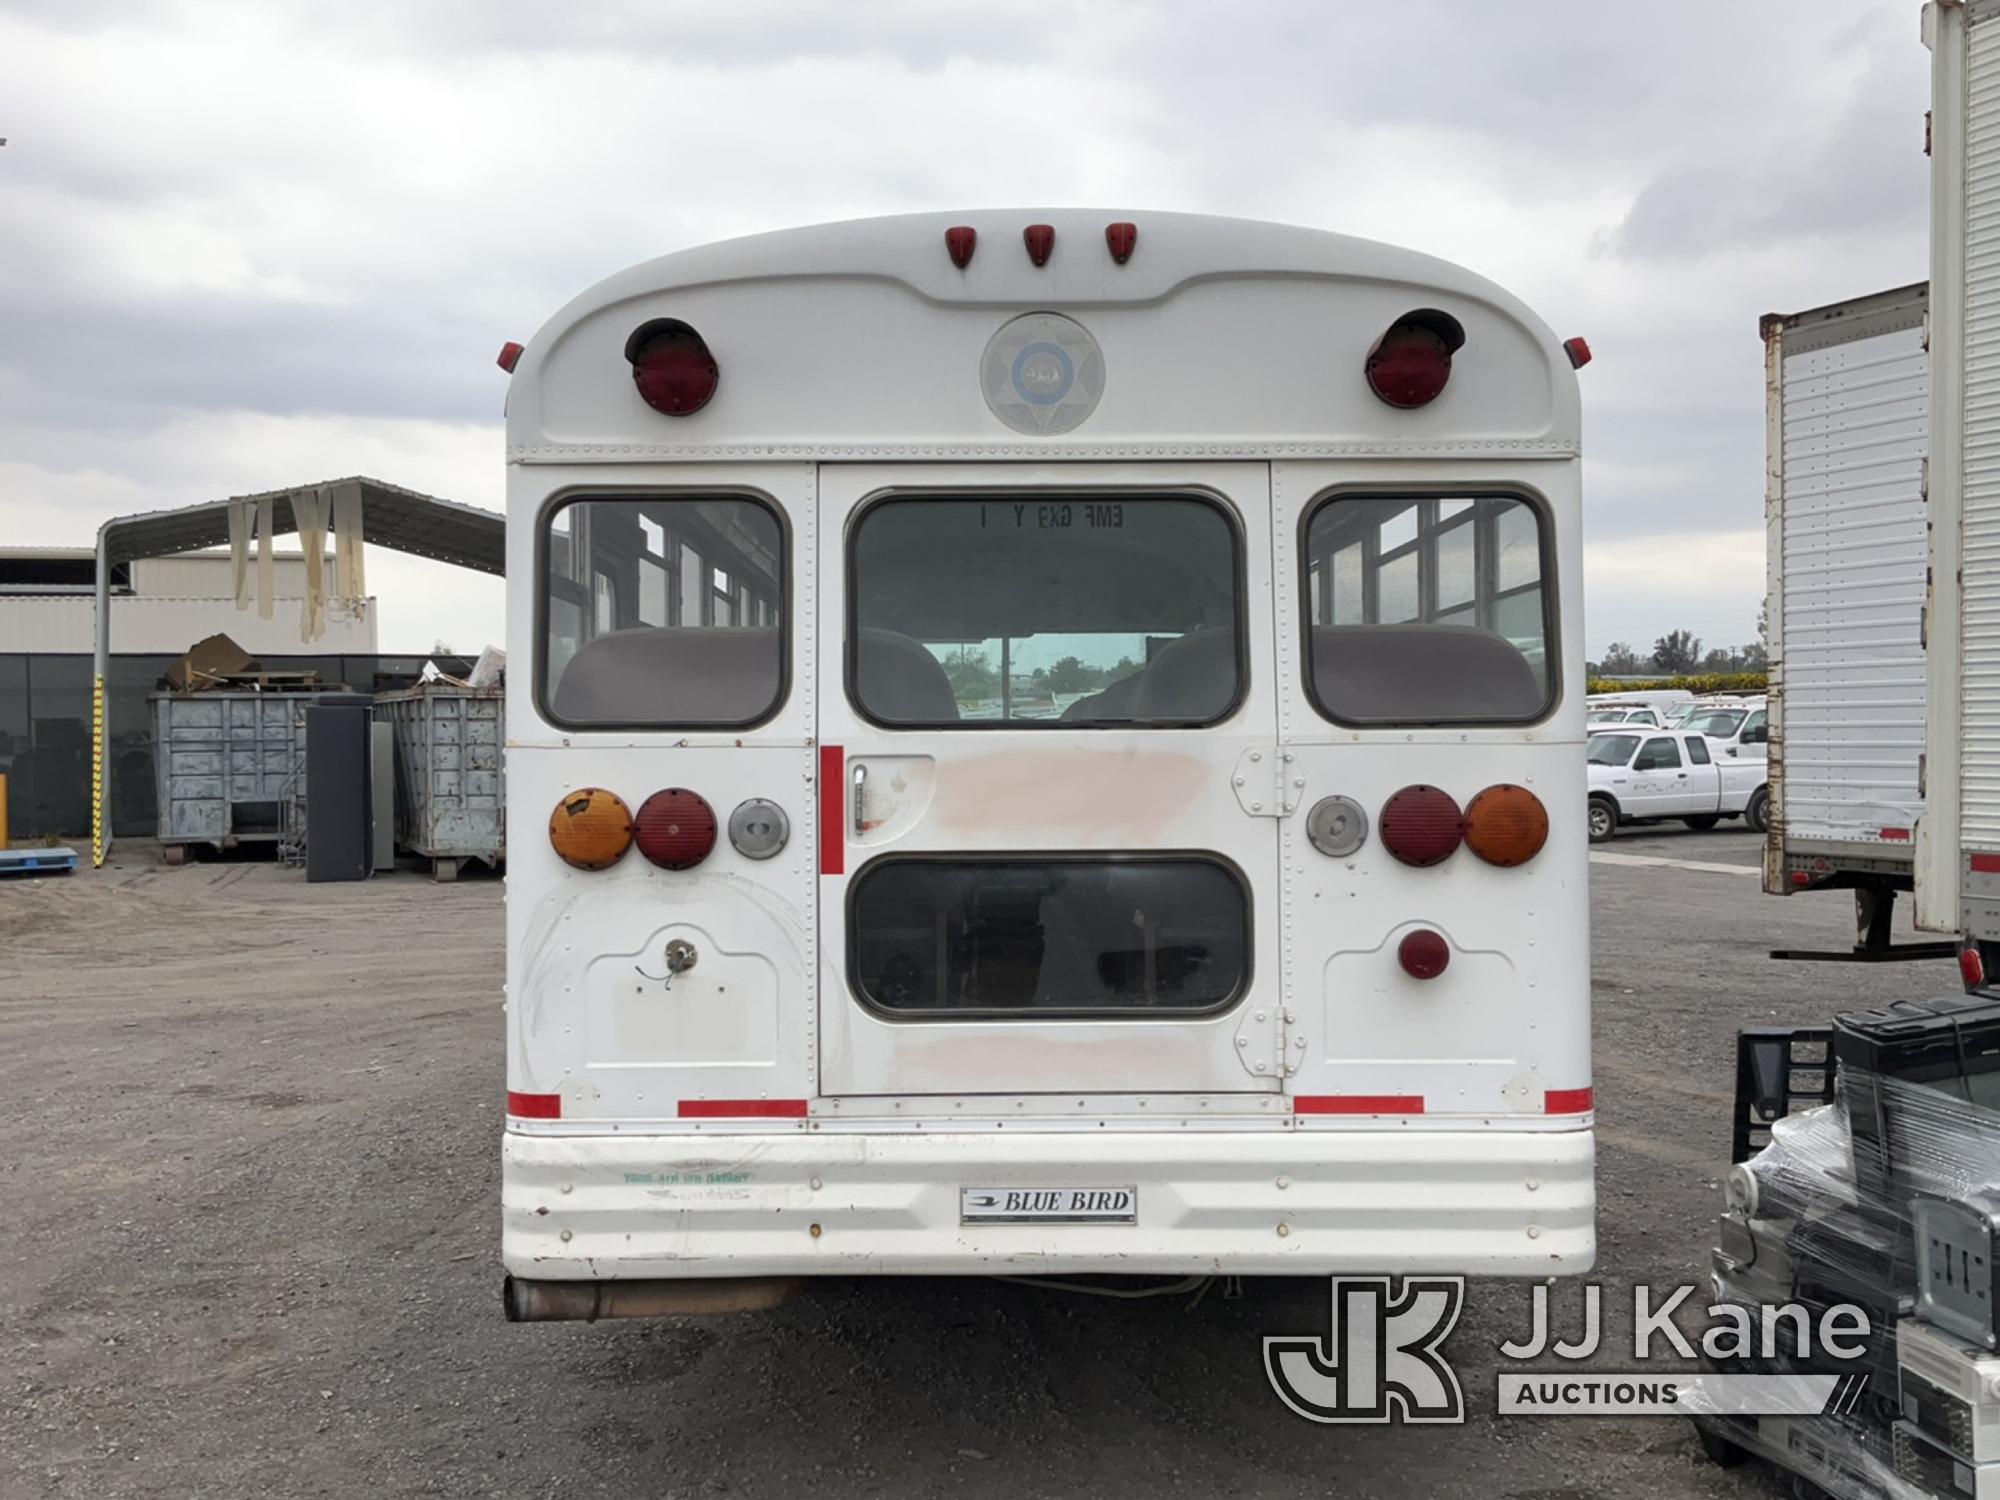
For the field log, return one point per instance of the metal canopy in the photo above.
(393, 517)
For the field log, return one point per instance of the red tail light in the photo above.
(1041, 242)
(1971, 968)
(510, 356)
(959, 242)
(675, 829)
(672, 367)
(1409, 365)
(1578, 352)
(1424, 954)
(1120, 238)
(1421, 825)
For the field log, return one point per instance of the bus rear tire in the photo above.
(1702, 822)
(1757, 816)
(1603, 819)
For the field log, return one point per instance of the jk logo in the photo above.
(1379, 1360)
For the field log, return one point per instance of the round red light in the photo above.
(1971, 968)
(675, 829)
(1421, 825)
(1409, 367)
(672, 367)
(1424, 954)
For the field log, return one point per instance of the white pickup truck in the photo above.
(1645, 776)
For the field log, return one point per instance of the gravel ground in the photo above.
(251, 1233)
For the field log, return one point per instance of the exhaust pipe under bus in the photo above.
(587, 1301)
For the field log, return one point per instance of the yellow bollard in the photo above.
(97, 774)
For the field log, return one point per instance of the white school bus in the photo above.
(1060, 741)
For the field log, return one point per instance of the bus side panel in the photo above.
(595, 1016)
(1503, 1034)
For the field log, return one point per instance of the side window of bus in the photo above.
(663, 612)
(1427, 610)
(1044, 611)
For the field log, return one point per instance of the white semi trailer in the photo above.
(1847, 417)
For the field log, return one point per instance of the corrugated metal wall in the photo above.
(1979, 605)
(1855, 434)
(67, 623)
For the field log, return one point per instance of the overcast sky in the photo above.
(249, 246)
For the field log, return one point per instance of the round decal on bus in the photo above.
(1042, 373)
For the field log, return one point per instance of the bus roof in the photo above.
(1218, 337)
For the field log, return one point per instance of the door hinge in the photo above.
(1267, 782)
(1268, 1041)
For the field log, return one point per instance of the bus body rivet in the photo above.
(1534, 1231)
(1284, 1182)
(815, 1184)
(1284, 1230)
(565, 1236)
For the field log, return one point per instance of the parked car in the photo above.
(1598, 717)
(1638, 776)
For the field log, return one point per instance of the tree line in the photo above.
(1679, 653)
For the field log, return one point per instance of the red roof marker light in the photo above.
(1120, 238)
(510, 356)
(1578, 352)
(959, 242)
(1041, 242)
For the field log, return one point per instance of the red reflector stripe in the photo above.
(1569, 1101)
(832, 825)
(1898, 834)
(743, 1109)
(534, 1106)
(1358, 1104)
(1986, 864)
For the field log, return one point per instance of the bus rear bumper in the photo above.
(1240, 1202)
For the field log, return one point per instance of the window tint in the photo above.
(1659, 755)
(1427, 610)
(1050, 611)
(1698, 750)
(663, 612)
(1720, 722)
(1611, 749)
(959, 937)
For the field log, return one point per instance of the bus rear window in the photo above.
(1035, 936)
(1050, 611)
(663, 613)
(1427, 610)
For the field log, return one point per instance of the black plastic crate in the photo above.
(1951, 1044)
(1780, 1070)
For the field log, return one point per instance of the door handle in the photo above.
(1684, 776)
(860, 785)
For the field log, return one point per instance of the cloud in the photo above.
(236, 237)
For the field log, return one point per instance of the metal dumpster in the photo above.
(225, 765)
(451, 796)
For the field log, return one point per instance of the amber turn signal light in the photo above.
(591, 828)
(1506, 825)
